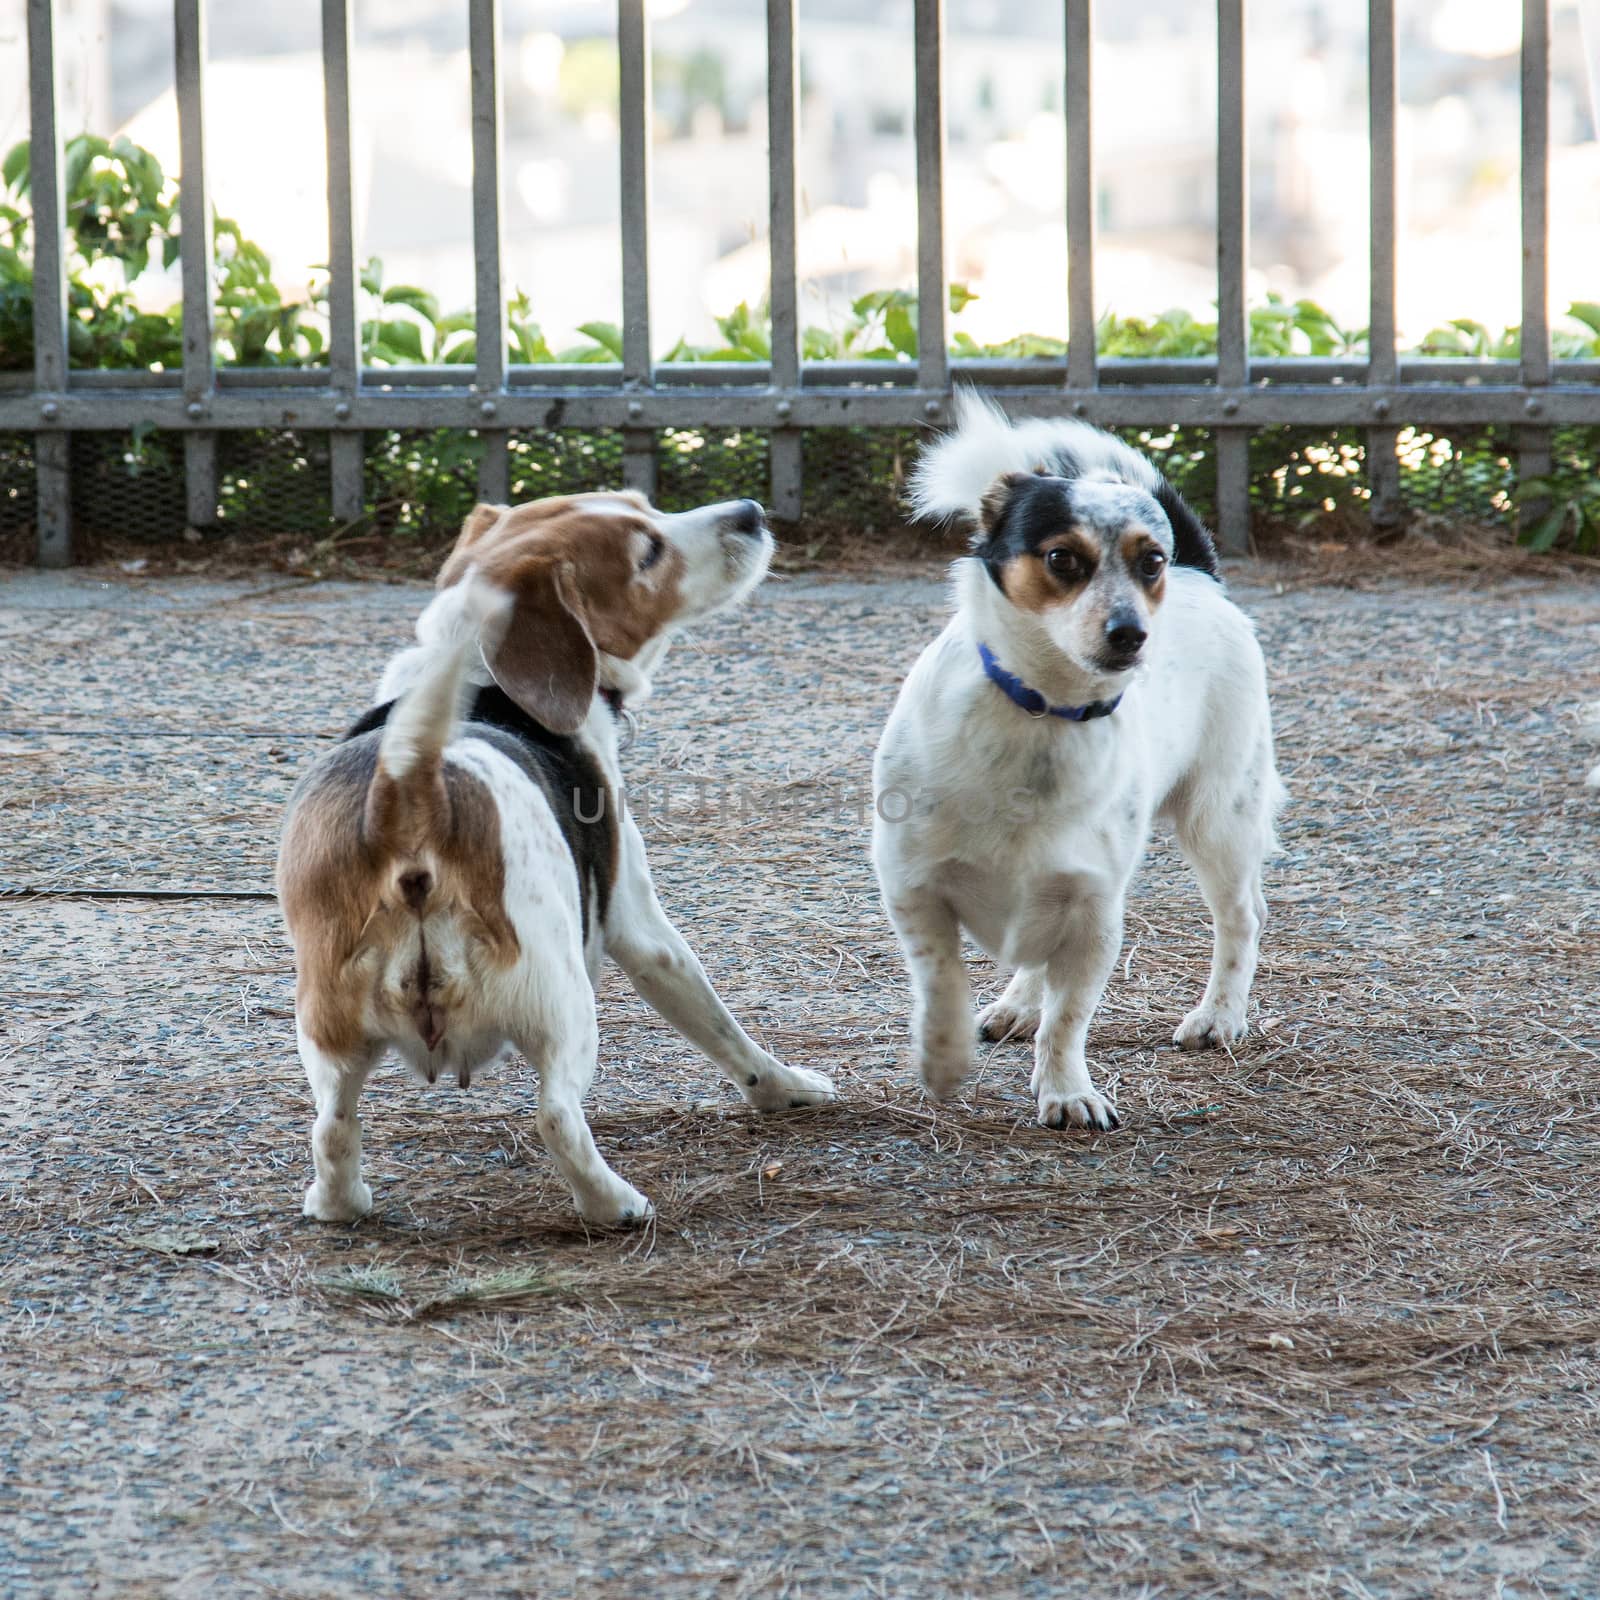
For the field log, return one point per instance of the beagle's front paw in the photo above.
(616, 1204)
(781, 1088)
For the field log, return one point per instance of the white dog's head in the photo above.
(1086, 558)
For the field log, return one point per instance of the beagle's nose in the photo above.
(747, 516)
(1124, 634)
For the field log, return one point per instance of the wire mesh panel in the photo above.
(699, 466)
(128, 487)
(1467, 474)
(269, 482)
(1300, 474)
(19, 502)
(563, 461)
(421, 482)
(857, 476)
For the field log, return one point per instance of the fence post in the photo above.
(638, 367)
(199, 356)
(1233, 254)
(1082, 357)
(346, 447)
(1533, 442)
(783, 120)
(489, 314)
(52, 449)
(933, 360)
(1383, 466)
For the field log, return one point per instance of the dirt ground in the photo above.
(1322, 1319)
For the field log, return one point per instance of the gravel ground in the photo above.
(1321, 1320)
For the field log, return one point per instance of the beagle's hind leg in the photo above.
(338, 1194)
(564, 1050)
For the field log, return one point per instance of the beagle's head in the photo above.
(1086, 557)
(597, 584)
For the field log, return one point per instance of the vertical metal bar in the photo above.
(51, 451)
(344, 332)
(1081, 356)
(933, 360)
(1383, 467)
(1533, 443)
(199, 357)
(1233, 248)
(634, 111)
(783, 123)
(483, 39)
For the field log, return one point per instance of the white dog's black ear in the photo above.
(1192, 546)
(997, 497)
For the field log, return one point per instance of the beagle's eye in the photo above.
(1064, 563)
(1150, 565)
(654, 553)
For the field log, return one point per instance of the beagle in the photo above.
(1094, 678)
(453, 872)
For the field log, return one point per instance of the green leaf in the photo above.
(402, 338)
(1585, 311)
(960, 297)
(605, 334)
(14, 169)
(1542, 536)
(900, 330)
(405, 294)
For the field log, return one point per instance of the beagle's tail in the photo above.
(406, 801)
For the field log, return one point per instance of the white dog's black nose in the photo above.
(1124, 634)
(747, 516)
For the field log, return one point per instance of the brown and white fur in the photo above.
(1089, 579)
(452, 874)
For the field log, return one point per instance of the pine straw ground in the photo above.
(1321, 1320)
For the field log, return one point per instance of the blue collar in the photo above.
(1035, 703)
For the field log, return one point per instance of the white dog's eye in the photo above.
(1150, 565)
(653, 554)
(1065, 563)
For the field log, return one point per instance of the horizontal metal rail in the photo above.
(1231, 393)
(1144, 405)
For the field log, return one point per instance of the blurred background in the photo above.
(1155, 113)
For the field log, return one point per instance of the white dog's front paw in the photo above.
(1082, 1108)
(943, 1071)
(781, 1088)
(1210, 1028)
(616, 1205)
(1001, 1022)
(350, 1205)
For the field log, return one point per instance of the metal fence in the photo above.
(1229, 395)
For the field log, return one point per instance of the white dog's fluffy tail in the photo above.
(952, 474)
(425, 718)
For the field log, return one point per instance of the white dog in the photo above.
(1094, 677)
(453, 871)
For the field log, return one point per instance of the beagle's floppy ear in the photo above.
(546, 660)
(479, 521)
(996, 497)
